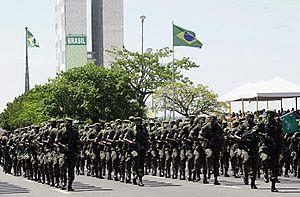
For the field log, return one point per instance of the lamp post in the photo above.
(142, 20)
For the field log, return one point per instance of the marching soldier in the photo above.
(212, 136)
(274, 137)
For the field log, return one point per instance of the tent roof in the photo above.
(274, 89)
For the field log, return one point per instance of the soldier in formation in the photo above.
(192, 149)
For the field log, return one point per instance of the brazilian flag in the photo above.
(31, 41)
(289, 123)
(183, 37)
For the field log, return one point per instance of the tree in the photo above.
(147, 72)
(85, 93)
(25, 110)
(92, 92)
(189, 99)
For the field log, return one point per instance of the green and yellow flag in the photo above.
(31, 41)
(289, 123)
(183, 37)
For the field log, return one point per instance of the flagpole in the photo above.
(173, 73)
(26, 63)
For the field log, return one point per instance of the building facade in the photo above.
(71, 34)
(107, 29)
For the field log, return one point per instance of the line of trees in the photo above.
(90, 93)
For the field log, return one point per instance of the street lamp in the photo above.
(149, 50)
(142, 20)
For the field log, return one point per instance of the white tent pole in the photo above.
(243, 107)
(257, 106)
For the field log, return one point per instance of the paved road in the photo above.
(154, 186)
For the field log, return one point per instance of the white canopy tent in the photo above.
(274, 89)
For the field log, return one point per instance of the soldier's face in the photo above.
(250, 118)
(138, 122)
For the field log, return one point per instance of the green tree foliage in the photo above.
(25, 110)
(85, 93)
(147, 72)
(189, 99)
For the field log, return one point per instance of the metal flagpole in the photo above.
(142, 20)
(26, 64)
(173, 74)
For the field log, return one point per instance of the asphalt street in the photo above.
(154, 186)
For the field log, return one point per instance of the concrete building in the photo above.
(107, 29)
(71, 30)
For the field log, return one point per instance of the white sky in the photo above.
(244, 40)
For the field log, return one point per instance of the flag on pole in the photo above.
(31, 41)
(183, 37)
(289, 123)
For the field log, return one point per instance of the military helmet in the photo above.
(235, 123)
(192, 117)
(126, 121)
(131, 118)
(69, 119)
(118, 121)
(92, 126)
(138, 119)
(165, 122)
(52, 120)
(270, 113)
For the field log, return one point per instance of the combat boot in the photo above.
(286, 173)
(70, 189)
(190, 176)
(253, 186)
(52, 181)
(236, 172)
(128, 178)
(194, 177)
(226, 173)
(246, 180)
(273, 188)
(109, 176)
(134, 181)
(168, 173)
(205, 179)
(141, 184)
(182, 175)
(216, 182)
(266, 176)
(56, 182)
(266, 179)
(154, 172)
(63, 185)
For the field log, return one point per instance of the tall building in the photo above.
(107, 29)
(71, 30)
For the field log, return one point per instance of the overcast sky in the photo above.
(244, 40)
